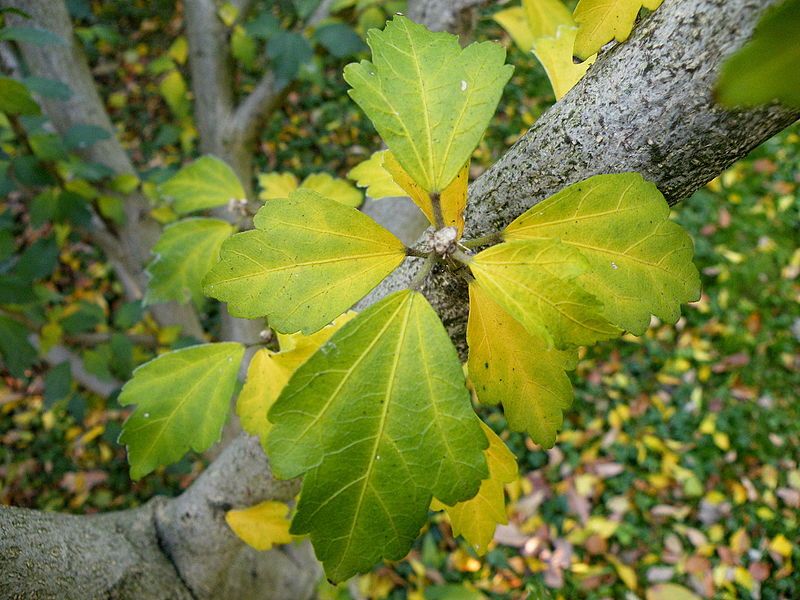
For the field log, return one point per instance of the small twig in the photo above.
(416, 253)
(436, 203)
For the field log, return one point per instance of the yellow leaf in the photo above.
(722, 441)
(371, 175)
(626, 573)
(269, 372)
(477, 518)
(333, 188)
(276, 185)
(228, 13)
(600, 21)
(555, 54)
(545, 17)
(670, 591)
(781, 545)
(515, 22)
(509, 365)
(261, 526)
(452, 201)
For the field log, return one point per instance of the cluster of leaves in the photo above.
(344, 417)
(676, 475)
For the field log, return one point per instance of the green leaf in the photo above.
(380, 421)
(765, 69)
(509, 365)
(182, 400)
(555, 54)
(270, 371)
(372, 175)
(49, 88)
(288, 51)
(184, 255)
(15, 99)
(477, 518)
(430, 100)
(15, 349)
(600, 21)
(175, 92)
(535, 281)
(31, 35)
(204, 183)
(308, 261)
(640, 262)
(83, 135)
(339, 39)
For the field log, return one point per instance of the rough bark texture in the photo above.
(443, 15)
(645, 106)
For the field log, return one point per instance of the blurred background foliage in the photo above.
(680, 461)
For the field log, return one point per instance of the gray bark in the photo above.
(444, 15)
(645, 106)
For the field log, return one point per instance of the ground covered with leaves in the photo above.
(679, 464)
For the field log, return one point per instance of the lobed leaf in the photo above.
(372, 175)
(640, 262)
(536, 283)
(182, 400)
(545, 17)
(555, 54)
(515, 21)
(379, 420)
(280, 185)
(202, 184)
(184, 254)
(308, 261)
(508, 365)
(600, 21)
(477, 518)
(269, 372)
(429, 100)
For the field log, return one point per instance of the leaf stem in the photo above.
(422, 274)
(437, 210)
(416, 253)
(486, 240)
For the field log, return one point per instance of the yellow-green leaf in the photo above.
(308, 261)
(270, 371)
(640, 262)
(509, 365)
(276, 185)
(477, 518)
(429, 99)
(184, 253)
(555, 54)
(182, 400)
(546, 16)
(515, 21)
(334, 188)
(204, 183)
(670, 591)
(372, 175)
(261, 526)
(452, 201)
(535, 282)
(600, 21)
(380, 422)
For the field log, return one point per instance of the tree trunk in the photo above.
(646, 106)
